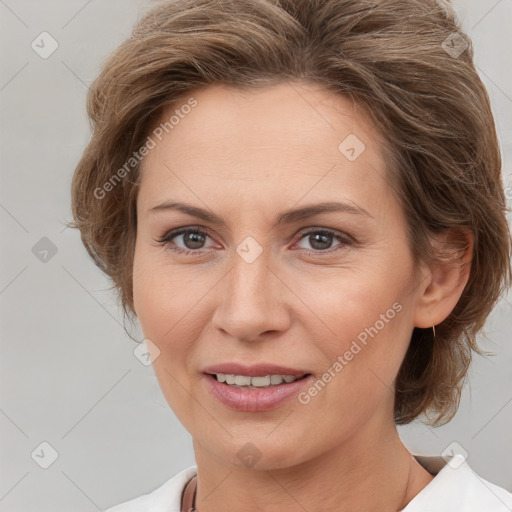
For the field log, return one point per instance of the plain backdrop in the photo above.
(73, 395)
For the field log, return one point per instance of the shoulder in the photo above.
(166, 498)
(457, 487)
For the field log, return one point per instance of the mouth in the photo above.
(254, 388)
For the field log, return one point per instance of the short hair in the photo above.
(407, 63)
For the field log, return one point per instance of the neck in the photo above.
(371, 471)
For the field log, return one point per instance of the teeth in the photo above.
(240, 380)
(257, 382)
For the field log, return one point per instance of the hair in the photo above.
(394, 58)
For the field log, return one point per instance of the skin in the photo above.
(248, 156)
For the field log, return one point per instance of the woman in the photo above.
(301, 203)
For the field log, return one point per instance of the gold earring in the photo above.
(434, 329)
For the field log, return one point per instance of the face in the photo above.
(254, 275)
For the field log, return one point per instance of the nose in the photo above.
(252, 301)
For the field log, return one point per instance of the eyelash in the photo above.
(165, 240)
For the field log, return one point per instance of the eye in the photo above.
(321, 239)
(191, 238)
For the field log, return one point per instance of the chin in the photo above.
(259, 452)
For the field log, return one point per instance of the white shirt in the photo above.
(454, 488)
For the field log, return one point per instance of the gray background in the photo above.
(68, 374)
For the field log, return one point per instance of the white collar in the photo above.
(455, 488)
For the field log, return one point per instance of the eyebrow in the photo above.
(286, 217)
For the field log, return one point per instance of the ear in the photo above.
(445, 279)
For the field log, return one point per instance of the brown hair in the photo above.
(406, 62)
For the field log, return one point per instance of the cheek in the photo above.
(162, 296)
(370, 344)
(171, 314)
(366, 320)
(169, 320)
(361, 359)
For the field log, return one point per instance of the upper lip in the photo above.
(256, 370)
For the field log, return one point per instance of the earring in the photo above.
(434, 329)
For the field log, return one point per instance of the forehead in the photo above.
(290, 113)
(290, 138)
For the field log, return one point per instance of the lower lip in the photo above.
(254, 400)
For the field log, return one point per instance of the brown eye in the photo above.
(192, 240)
(321, 240)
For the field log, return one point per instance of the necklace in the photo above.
(189, 494)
